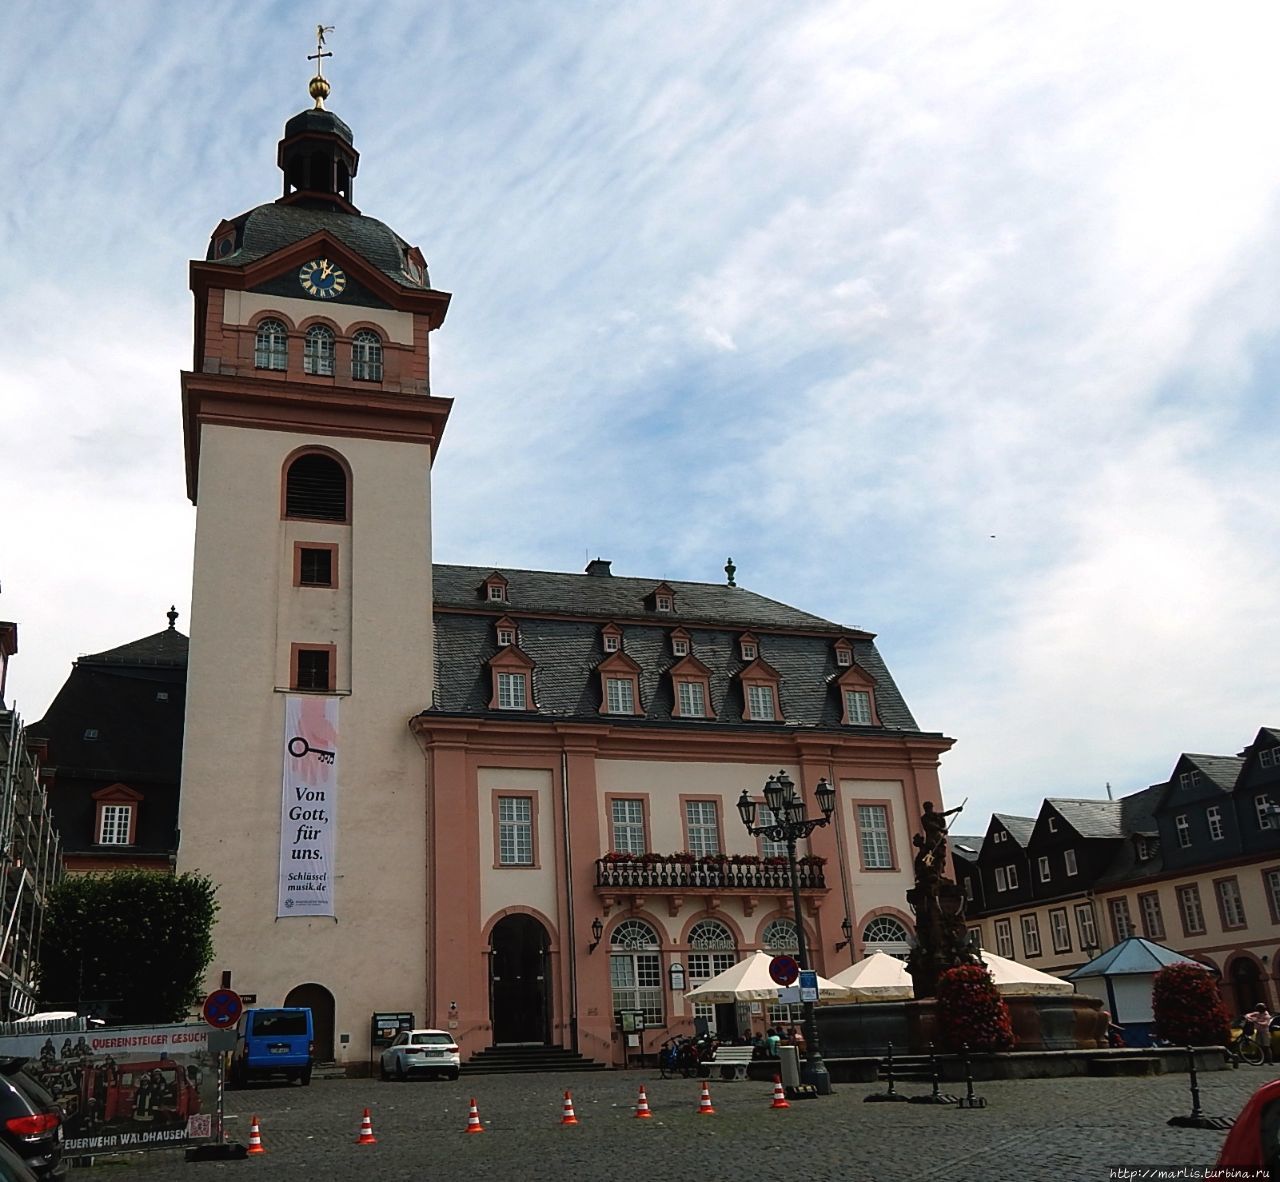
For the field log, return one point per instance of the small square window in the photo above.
(497, 593)
(506, 636)
(748, 652)
(680, 647)
(610, 643)
(90, 734)
(664, 603)
(843, 656)
(315, 567)
(162, 695)
(313, 669)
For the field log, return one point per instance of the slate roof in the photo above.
(167, 648)
(265, 229)
(972, 846)
(559, 617)
(1019, 827)
(1090, 818)
(1223, 770)
(1137, 818)
(312, 120)
(610, 596)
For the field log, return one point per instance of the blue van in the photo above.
(273, 1042)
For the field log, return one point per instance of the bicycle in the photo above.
(1246, 1047)
(678, 1055)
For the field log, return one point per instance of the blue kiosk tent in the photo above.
(1122, 977)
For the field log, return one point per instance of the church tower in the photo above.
(310, 431)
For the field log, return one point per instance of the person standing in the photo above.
(1260, 1018)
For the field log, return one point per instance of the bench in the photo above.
(732, 1060)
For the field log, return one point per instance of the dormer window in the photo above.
(1143, 849)
(747, 647)
(857, 696)
(663, 603)
(611, 642)
(494, 589)
(661, 599)
(680, 644)
(512, 673)
(691, 687)
(611, 638)
(619, 684)
(506, 631)
(760, 692)
(497, 593)
(844, 654)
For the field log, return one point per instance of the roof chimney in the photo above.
(600, 568)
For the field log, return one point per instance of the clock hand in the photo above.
(325, 268)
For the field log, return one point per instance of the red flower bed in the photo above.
(972, 1012)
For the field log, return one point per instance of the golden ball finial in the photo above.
(318, 88)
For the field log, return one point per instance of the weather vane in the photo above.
(318, 88)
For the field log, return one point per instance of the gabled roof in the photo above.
(1222, 770)
(1090, 818)
(965, 848)
(1019, 827)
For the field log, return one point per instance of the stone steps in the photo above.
(528, 1060)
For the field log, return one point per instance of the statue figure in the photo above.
(941, 940)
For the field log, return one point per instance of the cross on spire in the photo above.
(318, 87)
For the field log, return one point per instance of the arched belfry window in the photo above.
(316, 488)
(317, 357)
(366, 356)
(271, 346)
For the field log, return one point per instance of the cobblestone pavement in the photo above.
(1030, 1130)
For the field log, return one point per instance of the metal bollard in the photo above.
(969, 1100)
(891, 1096)
(1197, 1119)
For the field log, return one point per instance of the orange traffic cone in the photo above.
(704, 1104)
(568, 1118)
(473, 1119)
(366, 1131)
(255, 1137)
(779, 1096)
(642, 1108)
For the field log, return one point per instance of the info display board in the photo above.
(125, 1087)
(385, 1027)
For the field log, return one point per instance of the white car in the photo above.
(421, 1052)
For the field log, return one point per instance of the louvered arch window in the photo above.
(316, 488)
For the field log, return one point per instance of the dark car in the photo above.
(30, 1122)
(13, 1168)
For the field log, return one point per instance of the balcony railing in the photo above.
(665, 872)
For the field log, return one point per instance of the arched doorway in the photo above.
(319, 1001)
(519, 981)
(1246, 984)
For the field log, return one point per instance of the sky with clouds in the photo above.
(955, 322)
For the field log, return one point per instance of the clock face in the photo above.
(322, 279)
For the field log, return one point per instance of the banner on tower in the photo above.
(309, 806)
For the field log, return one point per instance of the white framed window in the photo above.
(515, 831)
(1262, 807)
(886, 934)
(366, 356)
(318, 350)
(770, 849)
(1043, 864)
(1271, 880)
(621, 695)
(1053, 824)
(1031, 935)
(511, 691)
(506, 637)
(271, 346)
(1069, 863)
(663, 602)
(1060, 930)
(693, 700)
(968, 887)
(844, 657)
(680, 646)
(1004, 939)
(1121, 920)
(497, 593)
(610, 642)
(1192, 911)
(635, 970)
(1143, 848)
(760, 700)
(628, 826)
(1213, 814)
(1152, 918)
(1189, 779)
(1269, 757)
(701, 819)
(1182, 826)
(748, 651)
(1002, 879)
(1230, 903)
(1012, 872)
(1086, 927)
(857, 707)
(873, 837)
(114, 826)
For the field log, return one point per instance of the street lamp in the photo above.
(789, 825)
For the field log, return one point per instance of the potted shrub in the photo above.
(812, 860)
(971, 1012)
(684, 858)
(619, 856)
(1188, 1008)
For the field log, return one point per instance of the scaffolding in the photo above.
(30, 864)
